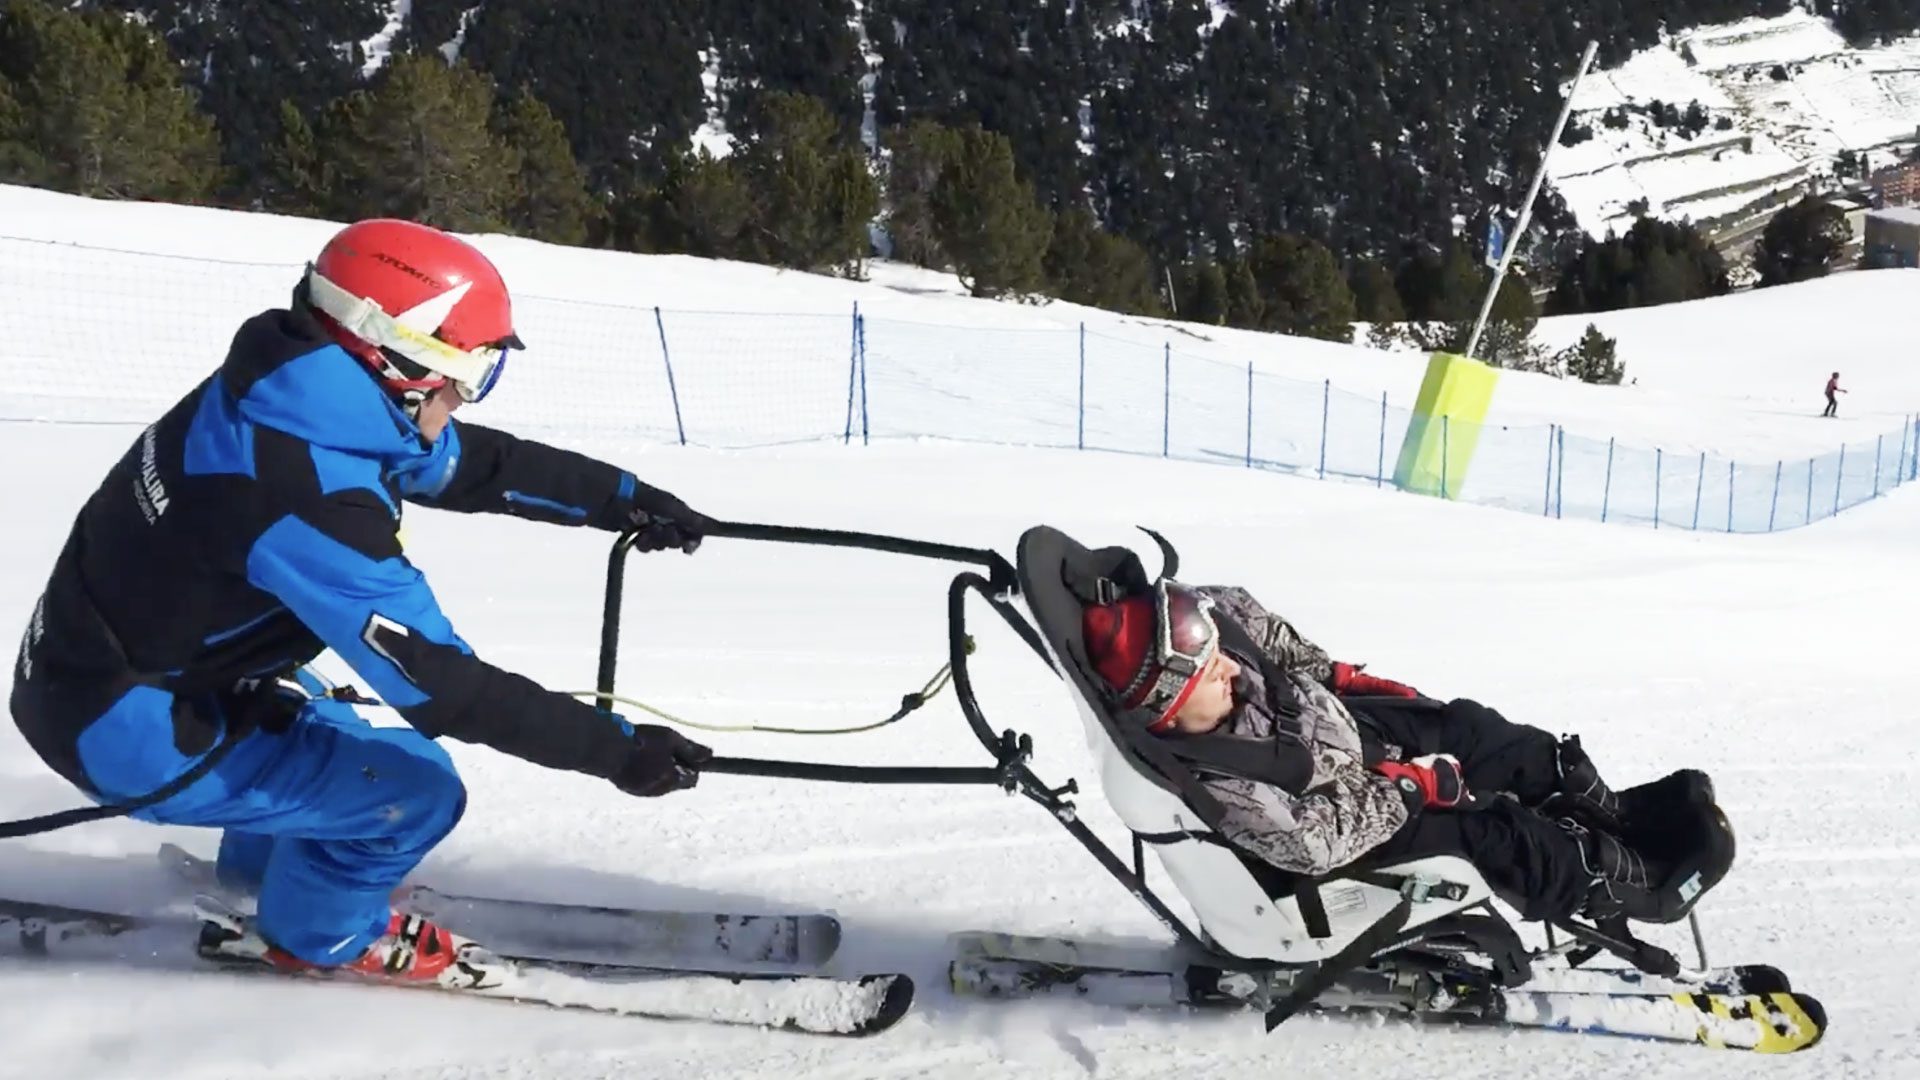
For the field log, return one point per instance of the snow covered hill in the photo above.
(1775, 662)
(1738, 376)
(1782, 98)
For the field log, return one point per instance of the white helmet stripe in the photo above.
(365, 320)
(428, 314)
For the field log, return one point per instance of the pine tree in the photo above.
(812, 192)
(1663, 279)
(918, 156)
(794, 46)
(705, 208)
(1592, 359)
(297, 178)
(241, 60)
(622, 76)
(1200, 290)
(1507, 340)
(1088, 265)
(1802, 241)
(1656, 262)
(1245, 308)
(97, 107)
(1186, 125)
(986, 219)
(1375, 299)
(1302, 289)
(20, 163)
(417, 145)
(550, 200)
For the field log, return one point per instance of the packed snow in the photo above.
(1775, 662)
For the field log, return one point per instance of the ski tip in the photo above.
(896, 1000)
(1808, 1021)
(818, 939)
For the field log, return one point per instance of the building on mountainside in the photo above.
(1892, 238)
(1897, 185)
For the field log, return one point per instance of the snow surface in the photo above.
(712, 135)
(1776, 662)
(381, 43)
(1783, 135)
(1738, 376)
(451, 49)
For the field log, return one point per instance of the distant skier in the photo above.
(254, 525)
(1833, 403)
(1318, 765)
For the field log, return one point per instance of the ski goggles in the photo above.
(474, 372)
(1185, 641)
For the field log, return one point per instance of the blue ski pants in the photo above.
(325, 819)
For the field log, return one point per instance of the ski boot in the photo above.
(412, 951)
(1654, 875)
(1581, 794)
(1624, 880)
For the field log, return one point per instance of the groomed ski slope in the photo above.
(1777, 662)
(1781, 663)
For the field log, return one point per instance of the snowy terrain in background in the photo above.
(1783, 132)
(1738, 376)
(1776, 662)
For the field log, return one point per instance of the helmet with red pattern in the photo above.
(1153, 649)
(418, 306)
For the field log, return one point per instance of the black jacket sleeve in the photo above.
(337, 565)
(493, 472)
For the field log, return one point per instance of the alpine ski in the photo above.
(1750, 1007)
(809, 1003)
(558, 930)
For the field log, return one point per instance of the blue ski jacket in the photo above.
(255, 524)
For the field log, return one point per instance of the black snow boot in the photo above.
(1625, 882)
(1582, 795)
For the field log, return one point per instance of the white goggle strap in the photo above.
(367, 321)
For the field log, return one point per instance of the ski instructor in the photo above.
(255, 524)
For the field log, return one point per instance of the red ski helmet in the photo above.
(1152, 649)
(416, 305)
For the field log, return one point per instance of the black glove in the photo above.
(664, 521)
(661, 760)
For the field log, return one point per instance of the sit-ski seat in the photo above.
(1156, 797)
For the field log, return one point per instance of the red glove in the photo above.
(1349, 679)
(1435, 779)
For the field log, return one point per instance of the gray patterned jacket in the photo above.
(1348, 809)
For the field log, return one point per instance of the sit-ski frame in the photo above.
(1012, 751)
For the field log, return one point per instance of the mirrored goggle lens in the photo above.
(1187, 630)
(494, 358)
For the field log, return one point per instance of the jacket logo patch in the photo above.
(148, 491)
(383, 636)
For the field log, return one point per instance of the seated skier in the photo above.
(1320, 767)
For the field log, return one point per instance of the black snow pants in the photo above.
(1528, 860)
